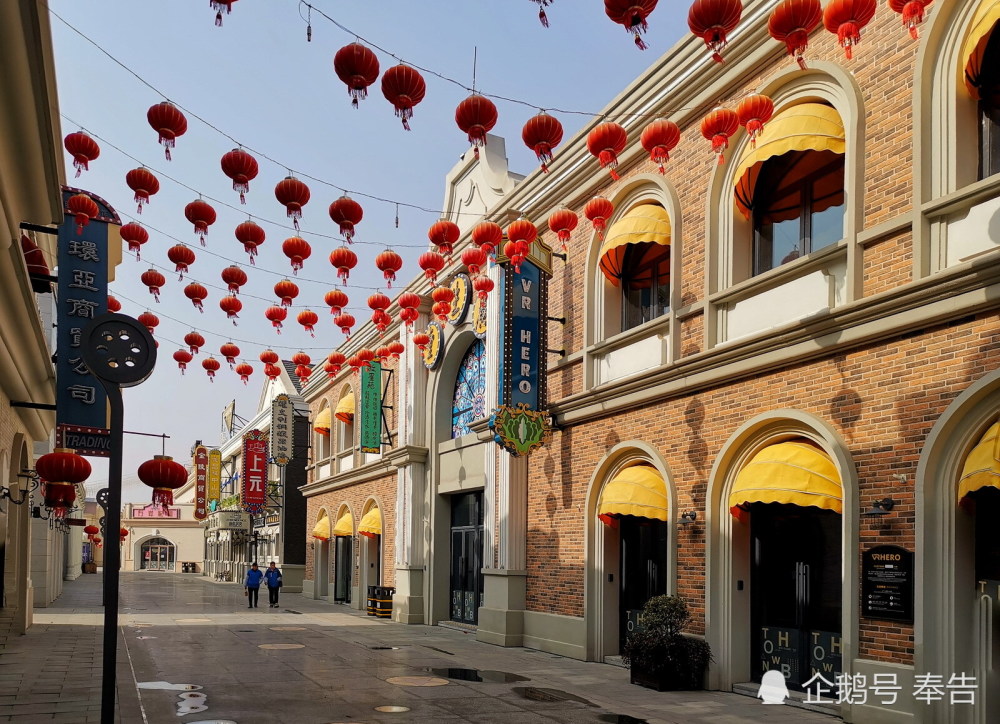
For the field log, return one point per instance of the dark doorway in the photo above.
(157, 554)
(342, 569)
(643, 567)
(986, 502)
(795, 592)
(466, 557)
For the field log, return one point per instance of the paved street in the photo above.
(310, 662)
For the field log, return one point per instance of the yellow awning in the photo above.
(794, 472)
(345, 409)
(642, 224)
(637, 490)
(371, 522)
(321, 530)
(345, 524)
(982, 466)
(321, 423)
(805, 127)
(983, 23)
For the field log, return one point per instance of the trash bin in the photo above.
(383, 601)
(371, 600)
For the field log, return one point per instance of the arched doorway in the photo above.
(370, 530)
(157, 554)
(343, 556)
(321, 560)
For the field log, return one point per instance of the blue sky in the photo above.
(258, 80)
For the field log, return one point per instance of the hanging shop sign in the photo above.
(887, 584)
(281, 430)
(371, 408)
(229, 520)
(253, 491)
(519, 430)
(83, 261)
(462, 289)
(214, 482)
(432, 352)
(200, 460)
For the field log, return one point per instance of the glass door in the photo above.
(987, 611)
(342, 569)
(643, 568)
(466, 557)
(157, 555)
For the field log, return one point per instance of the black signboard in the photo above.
(887, 584)
(781, 650)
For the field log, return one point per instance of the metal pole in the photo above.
(112, 555)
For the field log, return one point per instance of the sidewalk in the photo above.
(199, 654)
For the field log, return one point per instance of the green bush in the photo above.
(660, 650)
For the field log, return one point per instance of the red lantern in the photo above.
(395, 348)
(218, 6)
(331, 371)
(605, 142)
(154, 280)
(381, 320)
(182, 257)
(421, 340)
(232, 306)
(343, 259)
(598, 210)
(195, 341)
(365, 356)
(234, 277)
(197, 293)
(717, 127)
(182, 357)
(149, 320)
(408, 303)
(408, 316)
(293, 195)
(562, 221)
(713, 20)
(164, 476)
(91, 530)
(383, 353)
(431, 262)
(389, 262)
(297, 250)
(133, 234)
(345, 321)
(272, 372)
(378, 303)
(632, 15)
(241, 167)
(62, 470)
(443, 297)
(168, 122)
(123, 533)
(269, 357)
(476, 116)
(912, 12)
(286, 290)
(202, 215)
(334, 362)
(251, 235)
(791, 22)
(347, 213)
(303, 373)
(474, 259)
(404, 88)
(276, 315)
(754, 111)
(355, 364)
(483, 285)
(301, 359)
(523, 233)
(83, 148)
(487, 235)
(846, 18)
(357, 66)
(211, 366)
(659, 138)
(512, 252)
(308, 318)
(443, 234)
(337, 300)
(541, 134)
(83, 209)
(230, 351)
(113, 304)
(143, 183)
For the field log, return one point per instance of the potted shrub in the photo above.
(659, 655)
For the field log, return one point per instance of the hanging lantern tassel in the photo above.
(912, 12)
(163, 497)
(542, 17)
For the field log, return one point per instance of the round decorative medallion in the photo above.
(432, 352)
(462, 288)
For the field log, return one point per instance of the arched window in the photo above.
(469, 402)
(321, 426)
(345, 415)
(983, 79)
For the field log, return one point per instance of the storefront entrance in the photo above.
(157, 554)
(343, 565)
(643, 568)
(466, 557)
(795, 592)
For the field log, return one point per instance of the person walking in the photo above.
(272, 576)
(252, 585)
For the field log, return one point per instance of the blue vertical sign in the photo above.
(525, 336)
(81, 404)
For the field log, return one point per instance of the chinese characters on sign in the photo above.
(281, 430)
(156, 511)
(885, 689)
(200, 482)
(214, 486)
(371, 408)
(253, 491)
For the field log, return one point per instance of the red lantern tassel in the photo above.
(609, 160)
(163, 497)
(849, 35)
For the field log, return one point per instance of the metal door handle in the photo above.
(986, 632)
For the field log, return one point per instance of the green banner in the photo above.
(371, 408)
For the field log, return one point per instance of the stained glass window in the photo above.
(469, 402)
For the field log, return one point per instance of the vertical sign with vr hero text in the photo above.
(214, 485)
(281, 430)
(253, 491)
(200, 482)
(524, 344)
(371, 408)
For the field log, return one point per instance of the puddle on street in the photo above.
(383, 648)
(620, 719)
(435, 648)
(484, 675)
(549, 695)
(392, 709)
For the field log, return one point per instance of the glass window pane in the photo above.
(827, 227)
(786, 242)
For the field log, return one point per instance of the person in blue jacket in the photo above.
(252, 585)
(272, 576)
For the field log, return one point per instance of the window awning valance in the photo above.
(638, 490)
(982, 465)
(642, 224)
(321, 423)
(321, 531)
(371, 523)
(983, 23)
(345, 410)
(793, 472)
(805, 127)
(345, 525)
